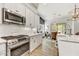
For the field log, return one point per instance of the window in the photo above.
(61, 28)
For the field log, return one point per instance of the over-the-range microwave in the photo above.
(11, 17)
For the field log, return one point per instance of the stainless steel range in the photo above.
(17, 45)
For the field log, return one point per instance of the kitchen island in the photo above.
(68, 45)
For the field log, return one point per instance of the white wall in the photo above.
(55, 10)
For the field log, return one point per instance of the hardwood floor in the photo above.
(46, 49)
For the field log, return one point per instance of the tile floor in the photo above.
(46, 49)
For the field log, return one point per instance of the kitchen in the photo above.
(18, 30)
(23, 27)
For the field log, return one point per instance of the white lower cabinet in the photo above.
(68, 48)
(35, 41)
(2, 49)
(32, 43)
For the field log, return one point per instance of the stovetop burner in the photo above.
(13, 37)
(8, 37)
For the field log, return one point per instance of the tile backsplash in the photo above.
(6, 30)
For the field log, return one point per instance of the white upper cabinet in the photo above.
(21, 9)
(37, 21)
(11, 6)
(16, 7)
(32, 19)
(28, 20)
(1, 6)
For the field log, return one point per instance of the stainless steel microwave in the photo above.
(11, 17)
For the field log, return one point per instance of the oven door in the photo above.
(20, 50)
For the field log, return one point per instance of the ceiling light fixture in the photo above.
(75, 13)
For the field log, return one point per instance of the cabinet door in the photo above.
(16, 7)
(68, 48)
(3, 49)
(36, 21)
(28, 20)
(11, 6)
(40, 39)
(32, 18)
(36, 41)
(32, 44)
(1, 6)
(21, 9)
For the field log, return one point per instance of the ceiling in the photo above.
(35, 5)
(55, 12)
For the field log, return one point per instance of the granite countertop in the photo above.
(34, 34)
(69, 38)
(13, 37)
(2, 41)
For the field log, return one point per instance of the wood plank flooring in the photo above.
(46, 49)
